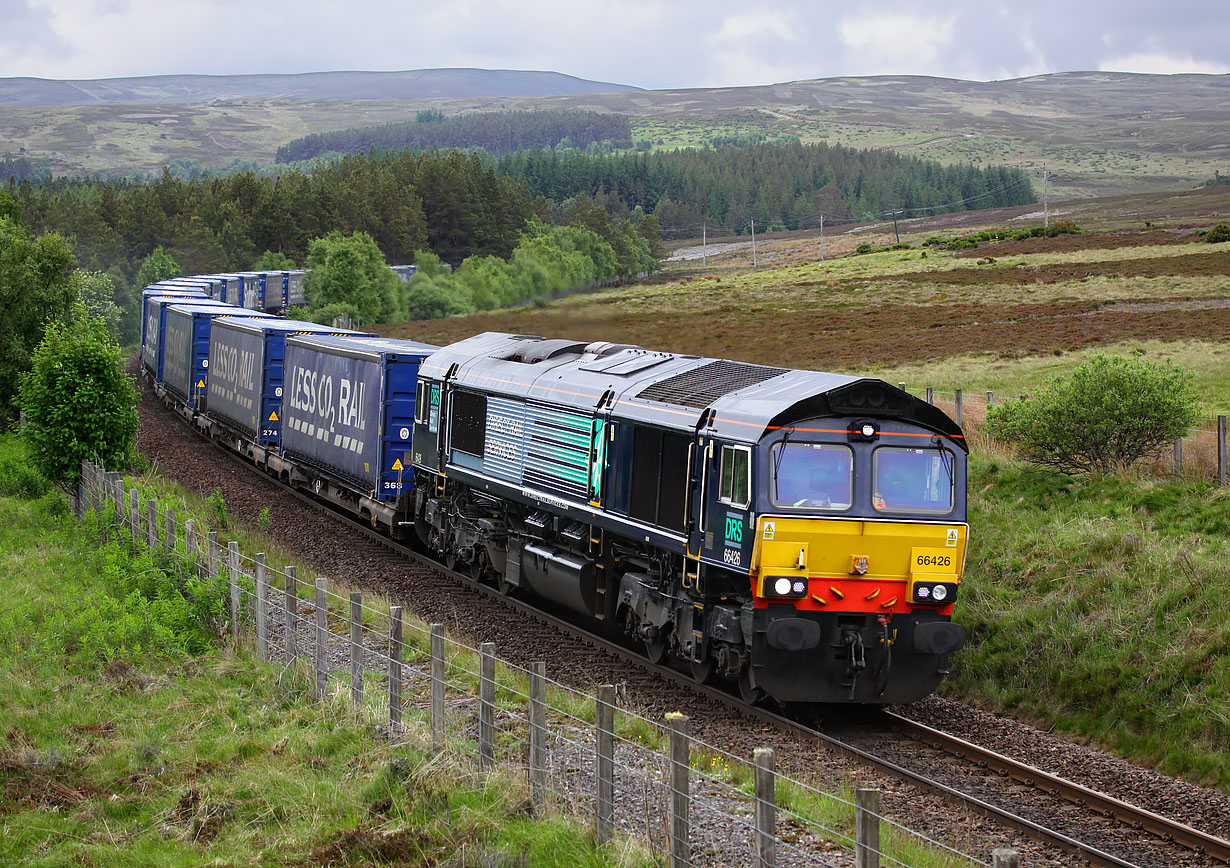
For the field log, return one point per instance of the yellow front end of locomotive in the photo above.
(854, 565)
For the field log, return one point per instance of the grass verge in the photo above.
(1098, 607)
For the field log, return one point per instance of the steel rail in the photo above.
(1155, 824)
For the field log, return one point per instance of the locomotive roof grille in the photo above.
(701, 386)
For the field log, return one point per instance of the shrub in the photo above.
(1219, 233)
(78, 401)
(1112, 411)
(18, 477)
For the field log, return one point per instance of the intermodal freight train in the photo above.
(798, 535)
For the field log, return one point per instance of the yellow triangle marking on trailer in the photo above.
(273, 417)
(200, 384)
(397, 464)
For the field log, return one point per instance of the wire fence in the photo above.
(1202, 454)
(695, 803)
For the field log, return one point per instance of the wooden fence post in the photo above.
(930, 394)
(959, 409)
(233, 553)
(1178, 456)
(190, 546)
(866, 828)
(1005, 858)
(151, 524)
(119, 500)
(356, 648)
(604, 824)
(486, 706)
(766, 807)
(987, 416)
(394, 671)
(322, 637)
(538, 733)
(437, 686)
(211, 556)
(1221, 451)
(133, 506)
(292, 616)
(680, 796)
(901, 386)
(172, 531)
(259, 609)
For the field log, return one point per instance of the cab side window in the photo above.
(736, 476)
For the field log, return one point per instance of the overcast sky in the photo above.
(648, 43)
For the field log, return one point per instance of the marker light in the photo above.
(923, 592)
(868, 429)
(782, 587)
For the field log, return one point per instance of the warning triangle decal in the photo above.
(273, 417)
(200, 384)
(397, 464)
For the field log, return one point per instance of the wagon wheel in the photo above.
(704, 671)
(748, 691)
(655, 649)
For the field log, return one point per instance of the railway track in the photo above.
(1097, 806)
(1135, 818)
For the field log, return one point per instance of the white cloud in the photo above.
(891, 42)
(1162, 63)
(761, 47)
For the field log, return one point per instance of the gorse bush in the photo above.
(1111, 412)
(1218, 234)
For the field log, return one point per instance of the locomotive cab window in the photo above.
(736, 478)
(812, 475)
(912, 480)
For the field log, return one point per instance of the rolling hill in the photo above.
(1095, 133)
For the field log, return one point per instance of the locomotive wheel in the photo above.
(504, 586)
(655, 650)
(705, 671)
(748, 692)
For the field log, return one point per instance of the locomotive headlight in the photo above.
(869, 430)
(939, 593)
(782, 587)
(923, 592)
(799, 588)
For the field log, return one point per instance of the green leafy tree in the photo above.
(1111, 412)
(96, 292)
(78, 401)
(9, 207)
(157, 266)
(350, 269)
(35, 289)
(271, 260)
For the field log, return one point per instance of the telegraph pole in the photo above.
(895, 232)
(1046, 205)
(704, 242)
(821, 237)
(753, 242)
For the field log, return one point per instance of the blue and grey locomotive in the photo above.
(800, 534)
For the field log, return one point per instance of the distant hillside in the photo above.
(495, 132)
(1097, 133)
(409, 84)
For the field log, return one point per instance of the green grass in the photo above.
(1098, 607)
(976, 374)
(186, 753)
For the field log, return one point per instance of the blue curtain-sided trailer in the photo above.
(348, 419)
(248, 358)
(185, 294)
(153, 327)
(185, 351)
(294, 289)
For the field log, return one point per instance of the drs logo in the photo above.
(734, 529)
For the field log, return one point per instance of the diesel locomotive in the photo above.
(797, 535)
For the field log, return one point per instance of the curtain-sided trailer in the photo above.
(153, 328)
(186, 352)
(247, 366)
(348, 418)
